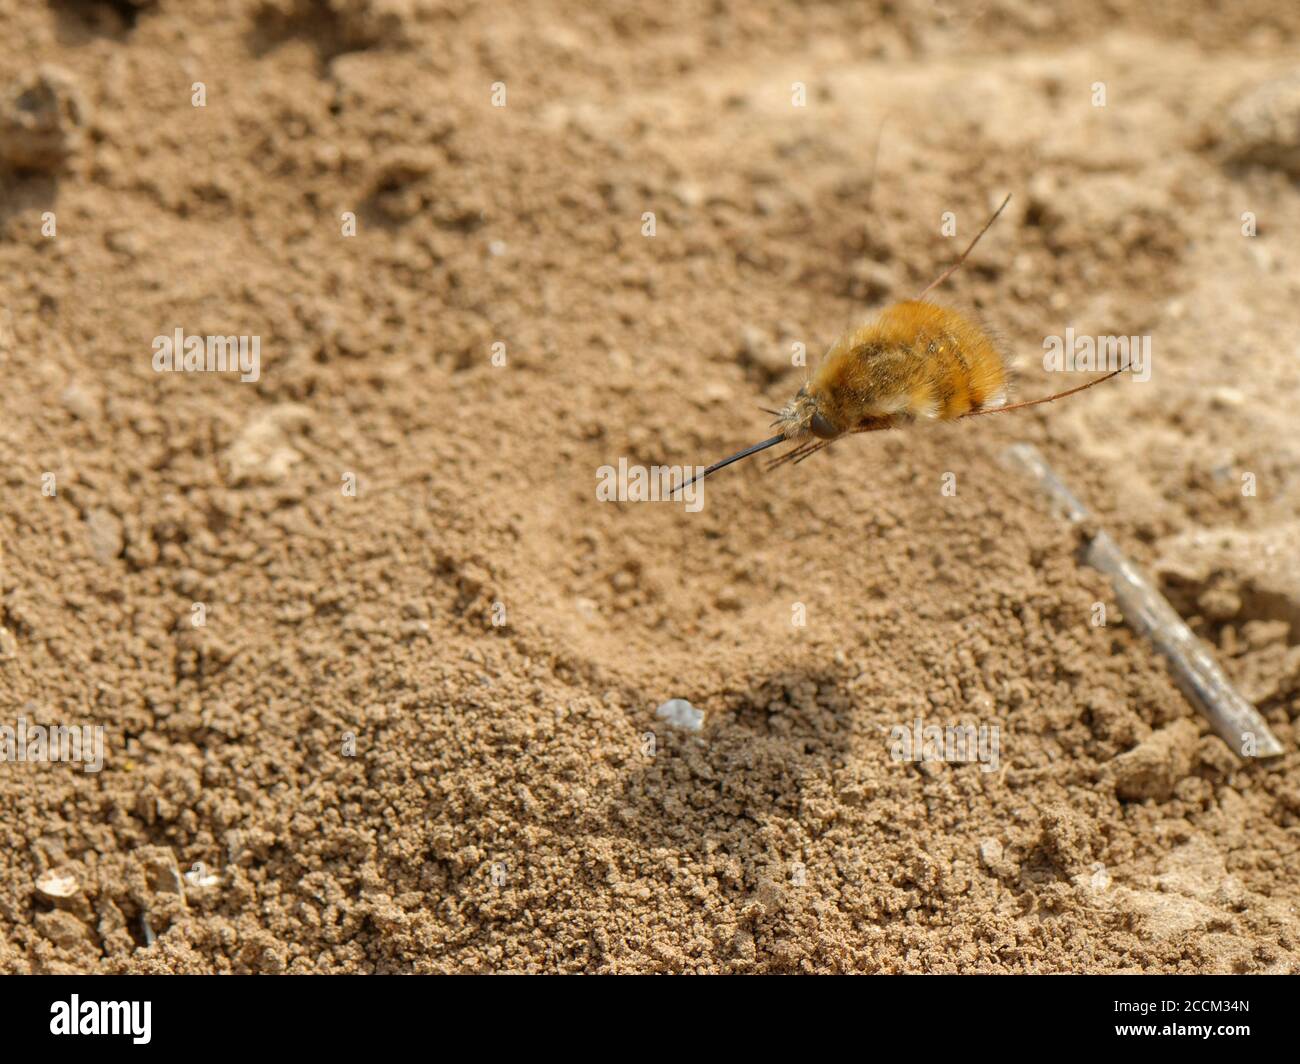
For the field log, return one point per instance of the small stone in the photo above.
(689, 195)
(78, 402)
(105, 531)
(124, 242)
(1227, 398)
(728, 600)
(415, 629)
(990, 853)
(681, 714)
(264, 451)
(56, 883)
(199, 878)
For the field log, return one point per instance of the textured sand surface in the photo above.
(494, 638)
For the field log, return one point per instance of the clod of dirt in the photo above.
(161, 871)
(1242, 574)
(401, 186)
(42, 121)
(1155, 765)
(993, 857)
(62, 928)
(763, 356)
(263, 453)
(1263, 126)
(336, 26)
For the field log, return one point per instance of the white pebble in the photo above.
(55, 883)
(681, 714)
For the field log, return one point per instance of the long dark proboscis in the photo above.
(734, 458)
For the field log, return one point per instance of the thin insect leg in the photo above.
(783, 459)
(810, 447)
(1047, 398)
(956, 265)
(812, 451)
(793, 454)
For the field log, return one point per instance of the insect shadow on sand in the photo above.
(757, 753)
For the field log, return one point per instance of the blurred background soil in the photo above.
(496, 640)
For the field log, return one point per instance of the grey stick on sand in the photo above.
(1233, 719)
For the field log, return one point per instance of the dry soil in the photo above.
(416, 730)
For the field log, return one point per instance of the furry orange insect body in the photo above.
(915, 361)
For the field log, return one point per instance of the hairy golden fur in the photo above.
(915, 360)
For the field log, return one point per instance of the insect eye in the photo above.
(822, 428)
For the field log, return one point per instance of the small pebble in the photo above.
(681, 714)
(105, 533)
(55, 883)
(80, 403)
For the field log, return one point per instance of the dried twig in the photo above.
(1233, 719)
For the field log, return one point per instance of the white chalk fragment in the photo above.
(56, 883)
(681, 714)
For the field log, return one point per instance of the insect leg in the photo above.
(956, 265)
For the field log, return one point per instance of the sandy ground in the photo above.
(378, 673)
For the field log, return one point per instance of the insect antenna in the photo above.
(875, 157)
(772, 442)
(957, 265)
